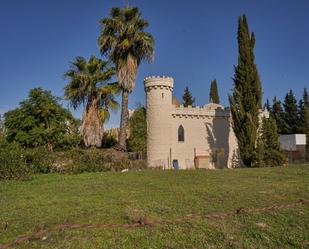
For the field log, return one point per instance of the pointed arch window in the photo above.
(181, 134)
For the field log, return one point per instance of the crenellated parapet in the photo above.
(158, 82)
(204, 112)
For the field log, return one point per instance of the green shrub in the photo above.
(89, 161)
(94, 160)
(18, 163)
(12, 162)
(80, 160)
(39, 160)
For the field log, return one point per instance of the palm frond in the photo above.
(123, 39)
(88, 80)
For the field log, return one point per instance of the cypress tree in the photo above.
(291, 118)
(213, 94)
(276, 112)
(246, 99)
(187, 97)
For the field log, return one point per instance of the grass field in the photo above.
(53, 199)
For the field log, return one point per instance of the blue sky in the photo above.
(195, 41)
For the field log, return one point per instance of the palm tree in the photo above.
(125, 42)
(88, 85)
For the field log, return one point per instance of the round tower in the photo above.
(159, 105)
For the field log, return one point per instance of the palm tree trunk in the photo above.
(124, 120)
(92, 126)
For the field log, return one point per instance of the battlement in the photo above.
(157, 77)
(209, 110)
(158, 82)
(209, 106)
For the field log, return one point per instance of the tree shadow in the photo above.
(218, 132)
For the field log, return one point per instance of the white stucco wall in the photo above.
(158, 106)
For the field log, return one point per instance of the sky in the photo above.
(195, 42)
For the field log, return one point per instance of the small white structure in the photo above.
(294, 147)
(187, 137)
(291, 142)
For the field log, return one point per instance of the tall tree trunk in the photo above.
(92, 126)
(124, 120)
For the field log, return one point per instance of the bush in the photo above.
(17, 163)
(12, 162)
(94, 160)
(80, 160)
(39, 160)
(97, 160)
(89, 161)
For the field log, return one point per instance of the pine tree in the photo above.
(301, 117)
(291, 118)
(268, 151)
(213, 94)
(187, 98)
(277, 114)
(246, 99)
(302, 104)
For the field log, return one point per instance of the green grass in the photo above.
(53, 199)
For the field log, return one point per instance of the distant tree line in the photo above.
(290, 115)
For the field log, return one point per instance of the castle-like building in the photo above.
(187, 137)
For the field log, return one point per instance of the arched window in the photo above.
(181, 134)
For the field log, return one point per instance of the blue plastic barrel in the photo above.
(175, 164)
